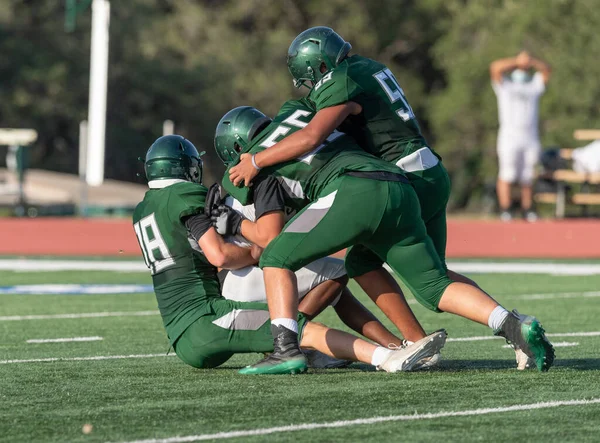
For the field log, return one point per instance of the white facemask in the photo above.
(520, 76)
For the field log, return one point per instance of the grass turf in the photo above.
(161, 397)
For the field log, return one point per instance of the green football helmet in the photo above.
(173, 157)
(235, 131)
(312, 48)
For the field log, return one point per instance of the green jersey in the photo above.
(183, 278)
(387, 126)
(304, 178)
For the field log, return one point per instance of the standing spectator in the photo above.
(518, 82)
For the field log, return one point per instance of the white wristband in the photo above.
(254, 163)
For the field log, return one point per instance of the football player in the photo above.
(273, 204)
(275, 201)
(363, 98)
(355, 199)
(182, 251)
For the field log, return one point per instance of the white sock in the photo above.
(287, 323)
(379, 355)
(497, 317)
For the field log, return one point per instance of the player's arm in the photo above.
(219, 253)
(269, 207)
(296, 145)
(499, 67)
(542, 67)
(265, 229)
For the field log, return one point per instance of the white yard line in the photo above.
(556, 334)
(368, 421)
(560, 344)
(575, 334)
(63, 340)
(98, 357)
(79, 315)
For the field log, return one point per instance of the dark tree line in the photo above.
(192, 60)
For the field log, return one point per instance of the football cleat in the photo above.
(525, 333)
(286, 358)
(319, 360)
(408, 358)
(426, 362)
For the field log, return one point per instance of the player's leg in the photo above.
(414, 259)
(531, 156)
(320, 283)
(308, 236)
(238, 327)
(233, 327)
(507, 173)
(360, 319)
(342, 345)
(321, 296)
(365, 267)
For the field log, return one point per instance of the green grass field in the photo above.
(154, 396)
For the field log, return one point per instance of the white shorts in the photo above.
(518, 154)
(247, 284)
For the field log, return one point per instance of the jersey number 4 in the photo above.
(155, 251)
(394, 92)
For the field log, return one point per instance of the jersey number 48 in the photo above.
(155, 250)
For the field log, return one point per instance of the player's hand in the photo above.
(243, 172)
(213, 199)
(226, 221)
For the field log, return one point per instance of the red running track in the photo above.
(466, 238)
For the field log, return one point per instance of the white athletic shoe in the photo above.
(408, 358)
(318, 360)
(426, 362)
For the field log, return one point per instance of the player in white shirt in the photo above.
(247, 284)
(518, 82)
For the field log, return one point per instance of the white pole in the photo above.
(83, 195)
(83, 126)
(168, 127)
(98, 87)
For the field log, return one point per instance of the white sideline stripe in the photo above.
(563, 269)
(27, 265)
(33, 265)
(560, 344)
(525, 268)
(556, 295)
(75, 289)
(368, 421)
(98, 357)
(63, 340)
(80, 315)
(556, 334)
